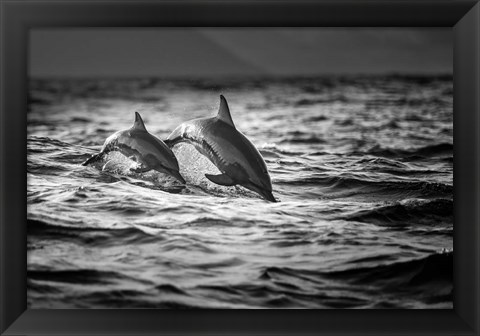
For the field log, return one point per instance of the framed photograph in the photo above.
(180, 165)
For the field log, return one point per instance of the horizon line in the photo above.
(245, 77)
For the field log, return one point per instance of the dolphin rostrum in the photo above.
(139, 145)
(234, 155)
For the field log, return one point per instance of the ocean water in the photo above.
(362, 168)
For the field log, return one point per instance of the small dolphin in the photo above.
(139, 145)
(228, 149)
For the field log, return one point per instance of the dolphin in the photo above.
(228, 149)
(139, 145)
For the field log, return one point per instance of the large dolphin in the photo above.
(137, 144)
(234, 155)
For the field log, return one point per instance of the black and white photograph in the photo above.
(240, 168)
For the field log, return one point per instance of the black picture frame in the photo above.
(19, 16)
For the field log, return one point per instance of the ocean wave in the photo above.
(325, 100)
(91, 236)
(356, 186)
(393, 167)
(309, 139)
(316, 118)
(406, 213)
(421, 152)
(273, 148)
(382, 163)
(422, 272)
(80, 276)
(430, 279)
(46, 143)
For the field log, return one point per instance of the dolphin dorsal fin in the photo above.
(224, 112)
(138, 124)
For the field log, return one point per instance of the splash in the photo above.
(119, 164)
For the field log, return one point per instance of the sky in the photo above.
(217, 52)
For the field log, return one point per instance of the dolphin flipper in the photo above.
(221, 179)
(93, 158)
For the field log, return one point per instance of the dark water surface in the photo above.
(362, 167)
